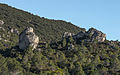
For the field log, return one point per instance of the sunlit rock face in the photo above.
(96, 35)
(28, 38)
(67, 34)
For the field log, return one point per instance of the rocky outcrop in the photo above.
(81, 35)
(67, 34)
(89, 36)
(28, 38)
(96, 35)
(1, 22)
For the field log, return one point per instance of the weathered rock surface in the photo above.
(1, 22)
(67, 34)
(28, 38)
(90, 35)
(96, 35)
(81, 35)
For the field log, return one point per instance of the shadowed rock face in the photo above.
(81, 35)
(28, 38)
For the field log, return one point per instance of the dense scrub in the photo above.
(85, 58)
(47, 29)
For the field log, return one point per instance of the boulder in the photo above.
(96, 35)
(28, 38)
(67, 35)
(1, 22)
(81, 35)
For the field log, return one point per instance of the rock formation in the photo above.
(28, 38)
(90, 35)
(70, 47)
(81, 35)
(96, 35)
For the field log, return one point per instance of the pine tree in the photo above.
(64, 42)
(79, 69)
(70, 39)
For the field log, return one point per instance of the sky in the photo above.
(103, 15)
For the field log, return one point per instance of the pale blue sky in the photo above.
(100, 14)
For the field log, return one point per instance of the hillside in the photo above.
(47, 29)
(33, 45)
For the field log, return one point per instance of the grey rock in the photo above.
(12, 30)
(1, 22)
(96, 35)
(28, 38)
(81, 35)
(67, 34)
(89, 36)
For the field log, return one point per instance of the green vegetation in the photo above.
(53, 58)
(46, 29)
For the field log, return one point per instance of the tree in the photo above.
(115, 65)
(78, 69)
(64, 42)
(94, 65)
(97, 60)
(70, 39)
(14, 66)
(57, 72)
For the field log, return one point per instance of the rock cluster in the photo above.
(90, 35)
(28, 38)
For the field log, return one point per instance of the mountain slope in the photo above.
(47, 29)
(77, 52)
